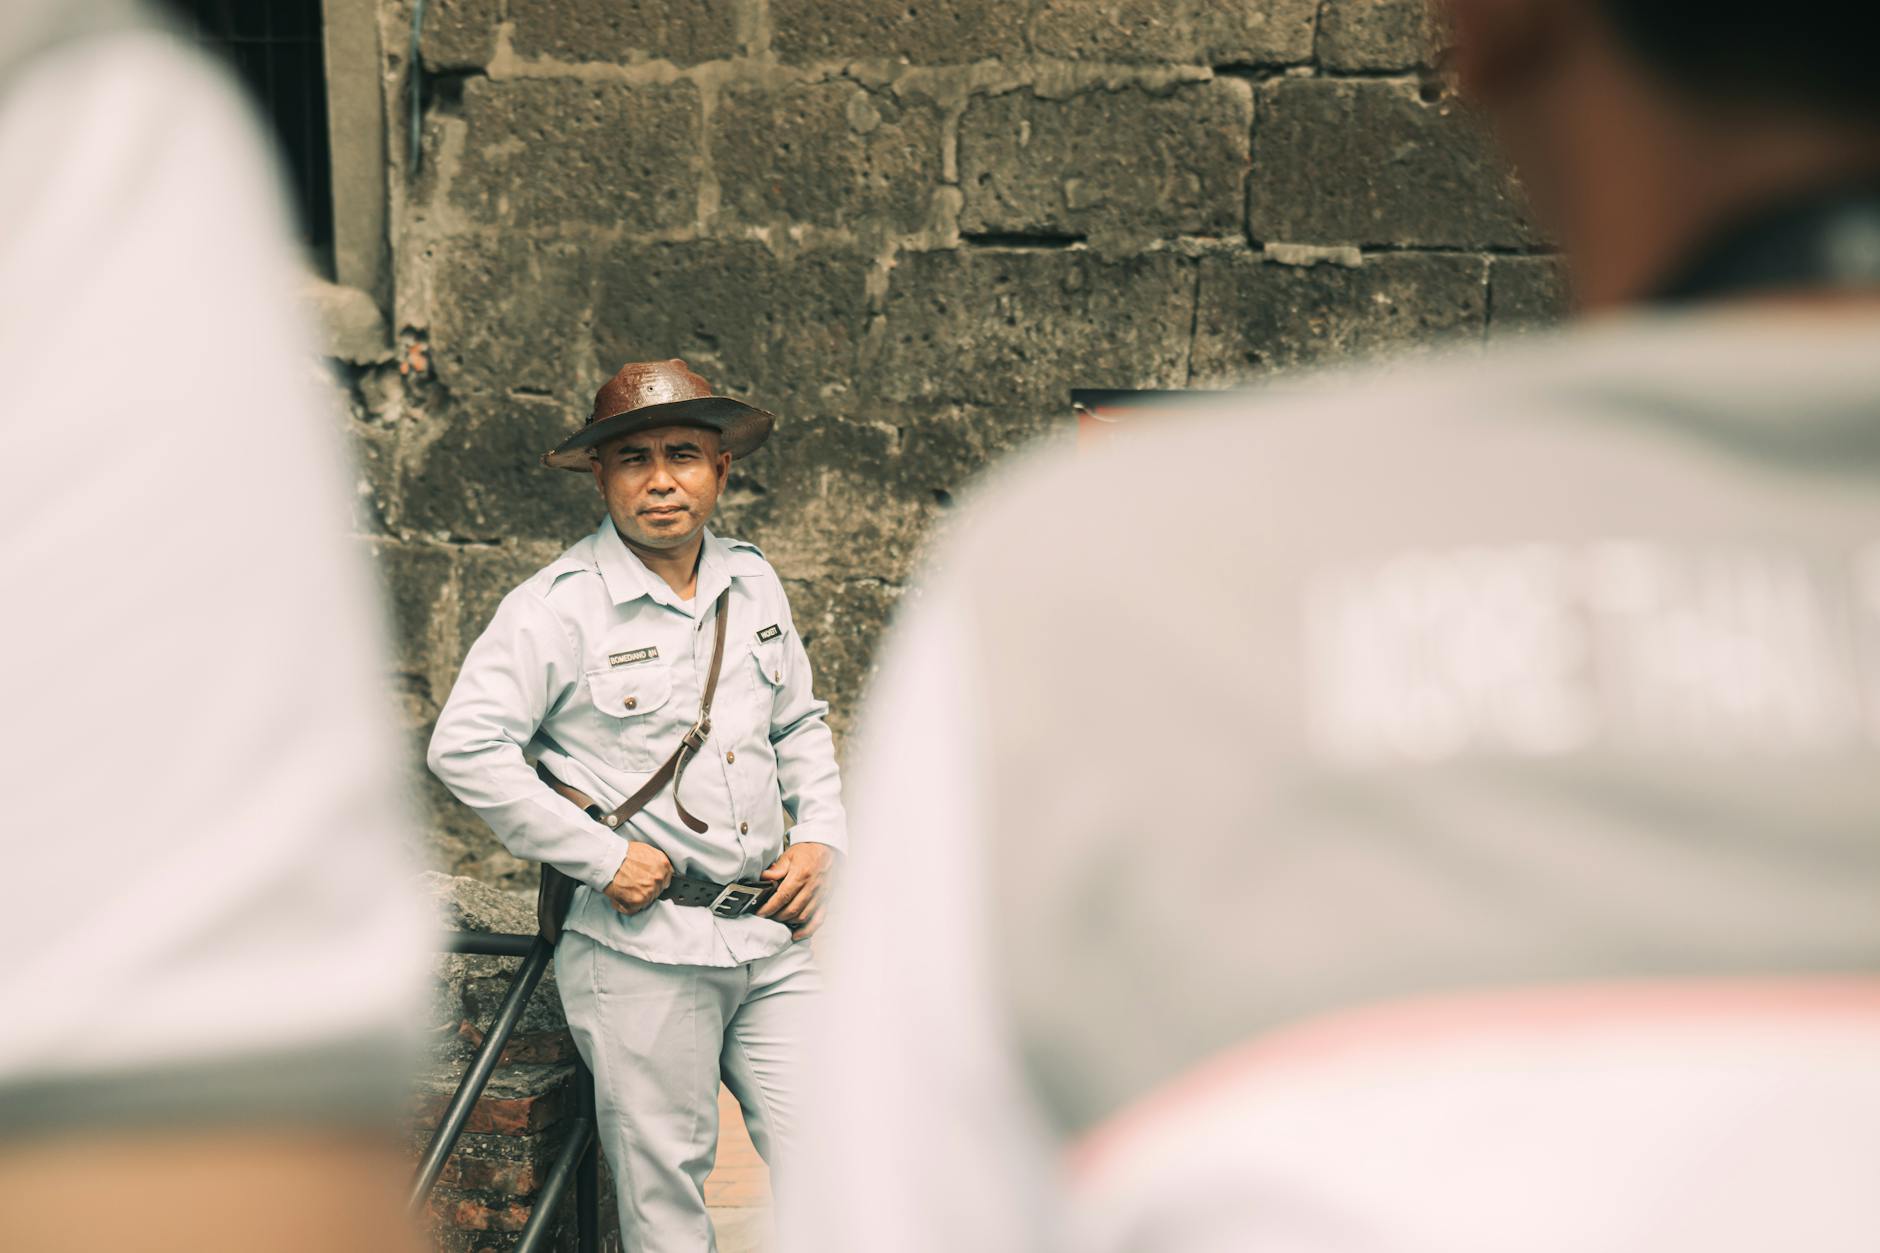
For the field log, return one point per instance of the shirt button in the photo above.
(744, 828)
(730, 757)
(633, 702)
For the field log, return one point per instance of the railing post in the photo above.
(587, 1178)
(451, 1126)
(548, 1199)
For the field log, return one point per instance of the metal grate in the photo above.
(277, 47)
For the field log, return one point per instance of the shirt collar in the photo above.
(627, 578)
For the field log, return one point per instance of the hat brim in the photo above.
(741, 428)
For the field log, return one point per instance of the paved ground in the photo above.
(739, 1188)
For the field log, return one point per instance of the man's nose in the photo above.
(661, 479)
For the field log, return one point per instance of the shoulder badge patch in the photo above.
(628, 658)
(768, 634)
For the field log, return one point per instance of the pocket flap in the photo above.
(631, 691)
(772, 661)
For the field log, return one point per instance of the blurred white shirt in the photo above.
(205, 860)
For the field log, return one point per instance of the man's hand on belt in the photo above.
(802, 877)
(640, 879)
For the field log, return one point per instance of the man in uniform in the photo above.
(655, 675)
(1440, 811)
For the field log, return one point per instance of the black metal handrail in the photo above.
(579, 1158)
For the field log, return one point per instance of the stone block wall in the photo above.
(908, 227)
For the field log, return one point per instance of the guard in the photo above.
(638, 717)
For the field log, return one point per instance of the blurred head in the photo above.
(661, 485)
(1658, 118)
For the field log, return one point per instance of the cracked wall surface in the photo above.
(908, 227)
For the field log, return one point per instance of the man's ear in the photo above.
(594, 464)
(1492, 49)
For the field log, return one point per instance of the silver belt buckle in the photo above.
(736, 900)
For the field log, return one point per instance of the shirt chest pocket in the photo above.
(761, 673)
(636, 715)
(773, 667)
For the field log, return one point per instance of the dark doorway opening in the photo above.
(278, 49)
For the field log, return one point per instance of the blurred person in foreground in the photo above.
(1440, 809)
(212, 950)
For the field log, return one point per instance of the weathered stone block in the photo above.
(1023, 327)
(571, 151)
(951, 447)
(467, 905)
(511, 313)
(925, 33)
(480, 476)
(1375, 34)
(1371, 163)
(486, 575)
(375, 476)
(520, 1100)
(456, 839)
(1257, 316)
(416, 581)
(831, 497)
(1203, 32)
(683, 31)
(841, 622)
(783, 333)
(1108, 164)
(459, 34)
(831, 154)
(1525, 294)
(349, 324)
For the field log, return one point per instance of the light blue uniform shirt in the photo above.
(595, 666)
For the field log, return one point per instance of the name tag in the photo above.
(768, 634)
(628, 658)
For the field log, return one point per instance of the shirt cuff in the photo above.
(818, 833)
(599, 871)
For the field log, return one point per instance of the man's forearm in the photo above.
(811, 783)
(526, 815)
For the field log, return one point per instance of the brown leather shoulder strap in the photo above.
(556, 891)
(673, 769)
(693, 742)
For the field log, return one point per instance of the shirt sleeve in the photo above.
(806, 753)
(520, 668)
(922, 1118)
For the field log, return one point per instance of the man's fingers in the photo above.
(806, 900)
(785, 893)
(811, 925)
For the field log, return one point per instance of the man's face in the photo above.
(661, 485)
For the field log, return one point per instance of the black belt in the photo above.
(725, 900)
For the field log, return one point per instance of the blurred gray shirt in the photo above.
(1431, 809)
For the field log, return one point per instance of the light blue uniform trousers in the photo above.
(659, 1038)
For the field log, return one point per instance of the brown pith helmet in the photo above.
(646, 394)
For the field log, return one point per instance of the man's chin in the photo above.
(662, 534)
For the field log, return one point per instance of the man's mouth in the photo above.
(662, 511)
